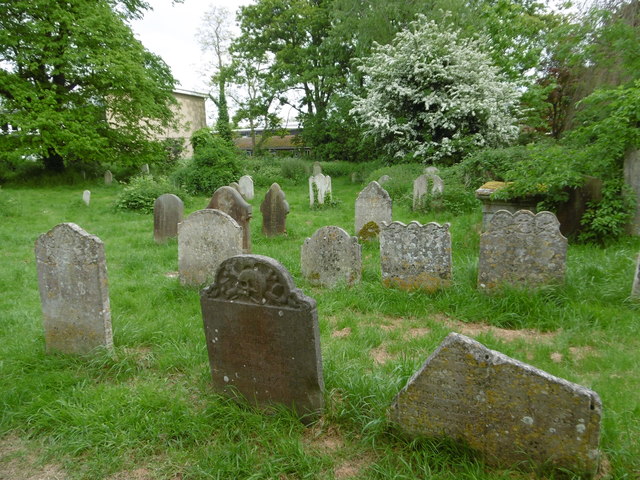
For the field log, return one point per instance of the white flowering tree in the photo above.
(434, 95)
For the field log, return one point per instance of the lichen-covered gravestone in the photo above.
(319, 188)
(205, 239)
(415, 256)
(521, 249)
(167, 214)
(246, 187)
(372, 205)
(274, 210)
(331, 256)
(229, 201)
(512, 413)
(108, 177)
(420, 186)
(262, 336)
(86, 197)
(74, 292)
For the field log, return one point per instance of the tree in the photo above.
(76, 86)
(433, 95)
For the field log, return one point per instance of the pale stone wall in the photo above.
(191, 116)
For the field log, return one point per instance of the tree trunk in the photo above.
(53, 162)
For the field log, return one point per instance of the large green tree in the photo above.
(75, 84)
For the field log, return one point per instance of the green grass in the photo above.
(148, 411)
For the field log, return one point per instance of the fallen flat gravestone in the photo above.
(229, 201)
(415, 256)
(72, 277)
(205, 239)
(512, 413)
(274, 211)
(246, 187)
(331, 256)
(521, 249)
(167, 214)
(372, 205)
(262, 336)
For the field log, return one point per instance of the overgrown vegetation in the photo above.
(142, 191)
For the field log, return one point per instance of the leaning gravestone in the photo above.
(246, 187)
(274, 210)
(262, 336)
(372, 205)
(522, 249)
(205, 239)
(86, 197)
(229, 201)
(167, 214)
(511, 412)
(420, 186)
(331, 256)
(416, 256)
(319, 188)
(72, 276)
(108, 177)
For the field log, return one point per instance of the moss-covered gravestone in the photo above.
(372, 205)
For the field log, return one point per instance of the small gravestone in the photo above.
(384, 179)
(246, 187)
(512, 413)
(416, 256)
(437, 185)
(144, 169)
(317, 169)
(167, 214)
(236, 187)
(431, 170)
(108, 177)
(521, 249)
(74, 292)
(331, 256)
(205, 239)
(319, 189)
(86, 197)
(262, 336)
(372, 205)
(274, 210)
(420, 186)
(635, 290)
(229, 201)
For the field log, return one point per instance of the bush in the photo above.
(264, 170)
(142, 191)
(295, 168)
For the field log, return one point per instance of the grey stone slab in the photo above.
(86, 197)
(108, 177)
(635, 289)
(262, 336)
(521, 249)
(431, 170)
(416, 256)
(205, 239)
(631, 166)
(437, 185)
(275, 209)
(420, 188)
(331, 256)
(373, 204)
(246, 187)
(74, 291)
(319, 189)
(168, 210)
(512, 413)
(229, 201)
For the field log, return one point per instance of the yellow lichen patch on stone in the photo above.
(369, 231)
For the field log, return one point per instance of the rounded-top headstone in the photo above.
(372, 205)
(246, 187)
(331, 256)
(168, 210)
(275, 209)
(229, 201)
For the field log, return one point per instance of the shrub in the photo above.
(142, 191)
(295, 168)
(264, 170)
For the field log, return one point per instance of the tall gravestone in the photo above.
(512, 413)
(229, 201)
(416, 256)
(205, 239)
(635, 289)
(108, 177)
(246, 187)
(631, 166)
(319, 188)
(74, 292)
(420, 186)
(274, 210)
(86, 197)
(262, 336)
(372, 205)
(167, 214)
(522, 249)
(331, 256)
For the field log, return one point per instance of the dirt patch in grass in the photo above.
(324, 441)
(418, 332)
(380, 355)
(352, 467)
(473, 329)
(18, 462)
(580, 353)
(345, 332)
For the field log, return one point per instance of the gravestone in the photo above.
(416, 256)
(108, 177)
(437, 185)
(205, 239)
(490, 206)
(322, 185)
(262, 336)
(274, 210)
(331, 256)
(431, 170)
(521, 249)
(512, 413)
(246, 187)
(144, 169)
(317, 169)
(384, 179)
(167, 214)
(631, 173)
(229, 201)
(86, 197)
(236, 187)
(74, 292)
(420, 187)
(635, 289)
(372, 205)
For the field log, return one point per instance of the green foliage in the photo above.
(606, 220)
(490, 164)
(264, 170)
(295, 168)
(173, 149)
(141, 193)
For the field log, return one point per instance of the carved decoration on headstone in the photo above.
(275, 209)
(167, 214)
(372, 205)
(229, 201)
(331, 256)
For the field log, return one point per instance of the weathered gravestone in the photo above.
(205, 239)
(415, 256)
(384, 179)
(144, 169)
(262, 336)
(167, 214)
(246, 187)
(229, 201)
(635, 290)
(431, 170)
(437, 185)
(274, 210)
(317, 169)
(236, 187)
(372, 205)
(108, 177)
(512, 413)
(522, 249)
(74, 292)
(86, 197)
(420, 187)
(331, 256)
(319, 188)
